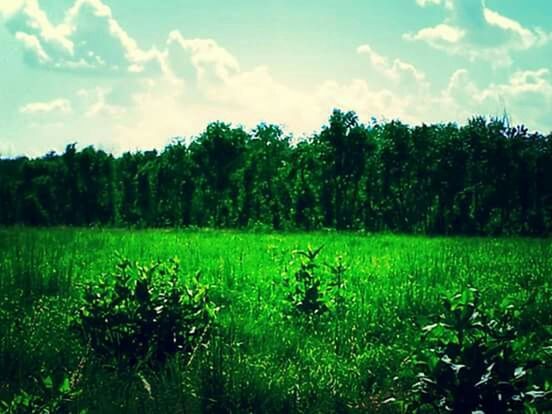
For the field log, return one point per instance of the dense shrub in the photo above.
(307, 292)
(143, 314)
(472, 362)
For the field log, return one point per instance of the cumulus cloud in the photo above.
(438, 35)
(96, 103)
(476, 32)
(56, 105)
(35, 51)
(367, 100)
(9, 7)
(526, 96)
(196, 73)
(209, 59)
(223, 91)
(88, 38)
(178, 88)
(402, 75)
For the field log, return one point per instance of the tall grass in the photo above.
(260, 360)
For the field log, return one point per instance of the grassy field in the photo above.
(360, 354)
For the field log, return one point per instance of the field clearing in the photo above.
(262, 359)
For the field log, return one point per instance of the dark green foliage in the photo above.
(473, 362)
(484, 177)
(48, 395)
(144, 314)
(307, 295)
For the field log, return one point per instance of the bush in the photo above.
(472, 362)
(306, 295)
(143, 314)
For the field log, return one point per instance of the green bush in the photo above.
(143, 314)
(472, 362)
(306, 292)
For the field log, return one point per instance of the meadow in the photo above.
(343, 329)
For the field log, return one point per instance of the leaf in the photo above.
(519, 372)
(48, 382)
(65, 386)
(429, 328)
(536, 394)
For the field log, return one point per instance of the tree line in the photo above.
(484, 177)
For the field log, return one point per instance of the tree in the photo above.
(485, 177)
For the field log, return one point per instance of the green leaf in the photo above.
(65, 386)
(48, 382)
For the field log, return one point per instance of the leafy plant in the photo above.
(470, 363)
(307, 295)
(143, 314)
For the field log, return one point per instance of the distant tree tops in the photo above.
(482, 178)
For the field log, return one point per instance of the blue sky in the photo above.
(128, 74)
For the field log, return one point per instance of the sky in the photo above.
(134, 74)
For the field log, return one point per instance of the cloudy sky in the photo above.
(129, 74)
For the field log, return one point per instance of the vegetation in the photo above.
(144, 314)
(482, 178)
(261, 322)
(189, 319)
(475, 362)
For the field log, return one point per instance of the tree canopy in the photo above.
(484, 177)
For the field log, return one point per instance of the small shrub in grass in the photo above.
(470, 363)
(306, 290)
(143, 314)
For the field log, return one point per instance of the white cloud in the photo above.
(524, 37)
(34, 47)
(404, 75)
(449, 4)
(209, 59)
(158, 111)
(365, 99)
(376, 59)
(256, 96)
(526, 96)
(476, 32)
(96, 103)
(88, 38)
(247, 97)
(9, 7)
(56, 105)
(396, 70)
(178, 89)
(434, 35)
(29, 18)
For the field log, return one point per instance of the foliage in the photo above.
(306, 292)
(143, 314)
(358, 355)
(484, 177)
(472, 362)
(47, 396)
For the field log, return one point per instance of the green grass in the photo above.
(261, 359)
